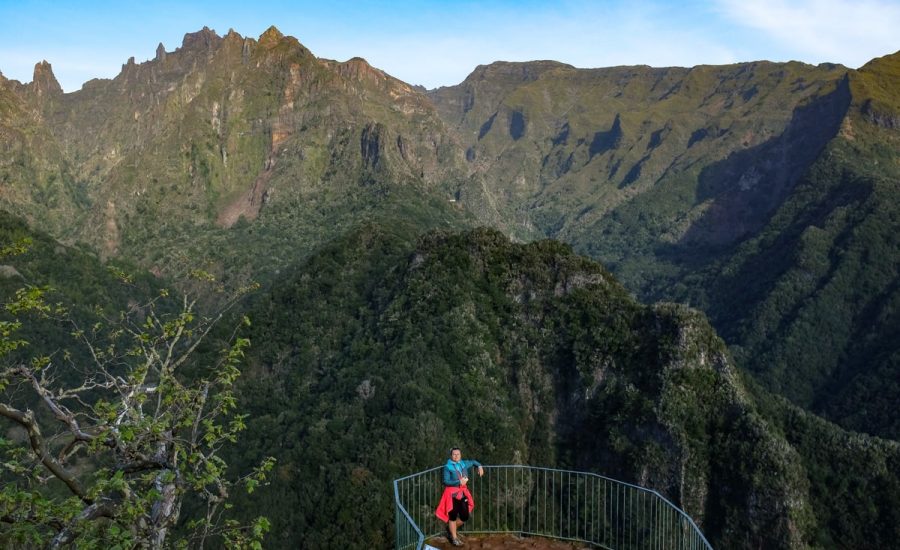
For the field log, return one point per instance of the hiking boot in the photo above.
(456, 542)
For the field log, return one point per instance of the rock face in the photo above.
(44, 82)
(271, 37)
(231, 127)
(204, 39)
(753, 190)
(9, 272)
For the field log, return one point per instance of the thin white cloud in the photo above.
(850, 32)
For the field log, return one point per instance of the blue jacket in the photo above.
(454, 470)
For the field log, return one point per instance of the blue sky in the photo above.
(437, 43)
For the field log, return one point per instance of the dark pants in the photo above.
(460, 509)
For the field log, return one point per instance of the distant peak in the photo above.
(890, 61)
(205, 38)
(272, 36)
(44, 82)
(43, 67)
(523, 70)
(160, 52)
(358, 67)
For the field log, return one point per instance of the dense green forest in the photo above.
(762, 193)
(685, 278)
(811, 304)
(378, 352)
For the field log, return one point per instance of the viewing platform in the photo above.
(507, 542)
(536, 508)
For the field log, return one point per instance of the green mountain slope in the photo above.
(378, 352)
(376, 355)
(72, 277)
(566, 150)
(230, 146)
(763, 193)
(811, 302)
(35, 180)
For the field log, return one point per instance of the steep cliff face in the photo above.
(35, 179)
(175, 151)
(245, 99)
(710, 151)
(688, 427)
(809, 303)
(762, 193)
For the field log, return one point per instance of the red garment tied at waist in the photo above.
(446, 503)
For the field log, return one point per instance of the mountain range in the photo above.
(764, 195)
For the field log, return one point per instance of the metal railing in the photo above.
(559, 504)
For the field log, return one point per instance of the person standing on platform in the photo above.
(456, 502)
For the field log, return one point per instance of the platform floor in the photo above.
(506, 542)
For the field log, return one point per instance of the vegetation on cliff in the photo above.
(378, 354)
(763, 194)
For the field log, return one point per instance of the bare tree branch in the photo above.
(61, 413)
(103, 508)
(39, 446)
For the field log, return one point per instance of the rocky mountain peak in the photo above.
(203, 39)
(160, 52)
(44, 82)
(270, 37)
(358, 67)
(233, 35)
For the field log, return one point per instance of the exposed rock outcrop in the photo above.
(204, 39)
(44, 82)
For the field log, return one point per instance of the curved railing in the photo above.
(560, 504)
